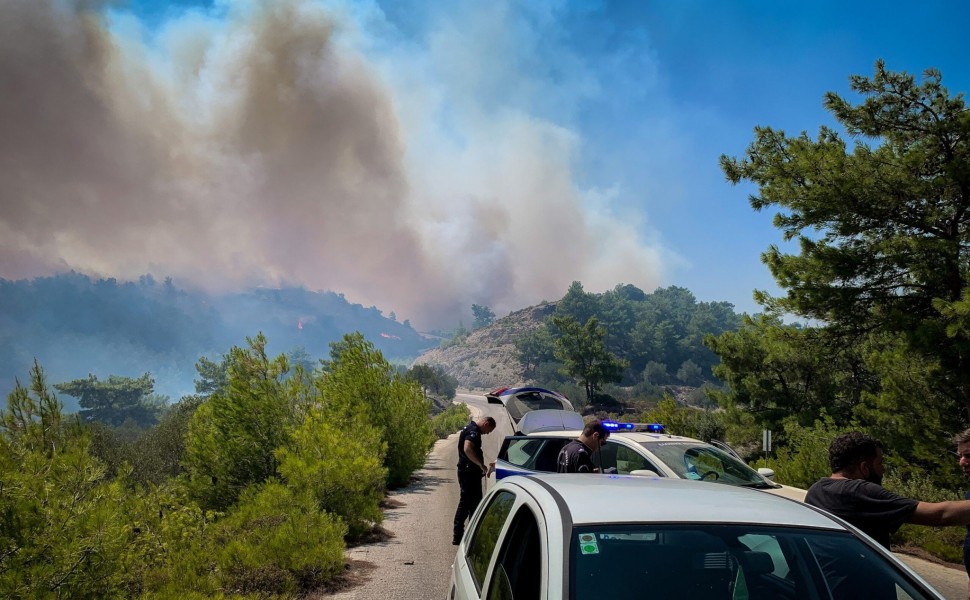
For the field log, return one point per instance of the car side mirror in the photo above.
(644, 473)
(767, 473)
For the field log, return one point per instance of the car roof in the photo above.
(598, 499)
(639, 437)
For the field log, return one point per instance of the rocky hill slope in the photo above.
(486, 358)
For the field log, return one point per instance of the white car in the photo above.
(591, 536)
(542, 433)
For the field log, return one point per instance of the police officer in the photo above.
(577, 455)
(471, 469)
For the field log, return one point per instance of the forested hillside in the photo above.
(76, 326)
(638, 346)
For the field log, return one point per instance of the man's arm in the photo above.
(473, 457)
(951, 512)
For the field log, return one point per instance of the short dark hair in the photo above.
(962, 438)
(596, 426)
(489, 420)
(849, 449)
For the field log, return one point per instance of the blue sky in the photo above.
(535, 143)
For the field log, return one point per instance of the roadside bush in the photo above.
(233, 435)
(277, 541)
(62, 533)
(341, 466)
(359, 381)
(450, 420)
(172, 553)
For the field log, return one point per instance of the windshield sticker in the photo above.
(587, 544)
(691, 475)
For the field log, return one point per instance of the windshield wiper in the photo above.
(763, 485)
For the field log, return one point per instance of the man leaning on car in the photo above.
(577, 455)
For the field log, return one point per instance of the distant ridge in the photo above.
(75, 325)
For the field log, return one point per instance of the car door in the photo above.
(528, 454)
(505, 554)
(625, 457)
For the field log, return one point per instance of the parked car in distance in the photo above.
(654, 454)
(590, 536)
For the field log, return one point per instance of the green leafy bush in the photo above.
(233, 435)
(450, 420)
(62, 532)
(278, 541)
(359, 381)
(340, 465)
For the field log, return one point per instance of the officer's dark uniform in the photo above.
(469, 478)
(575, 457)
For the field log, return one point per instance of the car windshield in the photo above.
(731, 562)
(693, 460)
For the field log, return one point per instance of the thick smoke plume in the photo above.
(264, 145)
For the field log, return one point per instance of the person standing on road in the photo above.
(577, 455)
(854, 492)
(471, 469)
(963, 454)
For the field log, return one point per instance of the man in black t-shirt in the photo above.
(854, 492)
(471, 469)
(577, 455)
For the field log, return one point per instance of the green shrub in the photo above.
(233, 435)
(450, 420)
(341, 465)
(171, 551)
(278, 541)
(62, 533)
(359, 381)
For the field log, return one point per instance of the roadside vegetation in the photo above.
(252, 488)
(450, 420)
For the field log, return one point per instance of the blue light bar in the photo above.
(614, 426)
(655, 428)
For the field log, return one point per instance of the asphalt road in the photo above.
(415, 560)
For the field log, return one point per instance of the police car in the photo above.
(552, 536)
(631, 449)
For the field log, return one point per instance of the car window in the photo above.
(521, 451)
(696, 460)
(519, 404)
(629, 460)
(731, 562)
(518, 571)
(486, 533)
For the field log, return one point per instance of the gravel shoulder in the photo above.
(414, 560)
